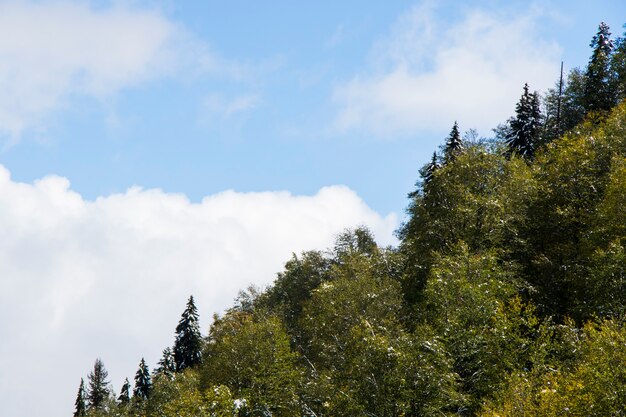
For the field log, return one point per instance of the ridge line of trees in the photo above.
(506, 296)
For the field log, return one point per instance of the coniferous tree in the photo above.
(80, 409)
(573, 100)
(124, 397)
(188, 343)
(599, 91)
(143, 382)
(429, 169)
(98, 386)
(454, 144)
(524, 129)
(166, 365)
(618, 66)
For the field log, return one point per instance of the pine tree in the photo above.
(429, 169)
(188, 343)
(524, 129)
(98, 386)
(124, 397)
(143, 382)
(536, 119)
(80, 410)
(166, 365)
(454, 144)
(599, 92)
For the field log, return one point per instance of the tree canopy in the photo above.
(506, 295)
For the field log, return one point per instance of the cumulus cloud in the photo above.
(52, 52)
(109, 278)
(425, 74)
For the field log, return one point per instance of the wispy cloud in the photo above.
(336, 38)
(425, 74)
(216, 106)
(109, 278)
(52, 52)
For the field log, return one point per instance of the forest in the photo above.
(506, 295)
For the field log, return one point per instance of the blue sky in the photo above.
(152, 150)
(264, 117)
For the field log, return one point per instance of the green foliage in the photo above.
(365, 362)
(182, 397)
(166, 365)
(188, 344)
(143, 382)
(593, 386)
(506, 297)
(454, 144)
(471, 302)
(611, 212)
(80, 408)
(99, 390)
(574, 211)
(355, 295)
(573, 108)
(252, 356)
(293, 287)
(428, 171)
(522, 136)
(599, 89)
(481, 199)
(618, 66)
(124, 397)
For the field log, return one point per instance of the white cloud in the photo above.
(425, 75)
(51, 52)
(109, 278)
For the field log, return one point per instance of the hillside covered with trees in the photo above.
(505, 297)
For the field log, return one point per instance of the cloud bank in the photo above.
(109, 278)
(426, 74)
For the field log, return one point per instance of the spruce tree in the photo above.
(124, 397)
(454, 144)
(524, 129)
(98, 386)
(143, 382)
(166, 365)
(80, 409)
(188, 343)
(599, 91)
(428, 171)
(618, 66)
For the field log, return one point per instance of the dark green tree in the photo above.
(556, 107)
(572, 102)
(143, 382)
(429, 169)
(599, 91)
(453, 145)
(524, 129)
(124, 397)
(80, 410)
(188, 344)
(294, 286)
(618, 66)
(98, 386)
(166, 365)
(350, 242)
